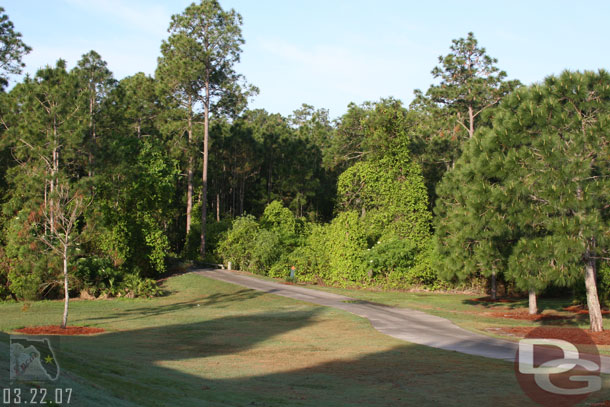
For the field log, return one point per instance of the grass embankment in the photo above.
(215, 344)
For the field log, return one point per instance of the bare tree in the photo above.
(61, 216)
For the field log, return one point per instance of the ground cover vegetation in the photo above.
(218, 344)
(480, 181)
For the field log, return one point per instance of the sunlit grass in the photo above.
(215, 344)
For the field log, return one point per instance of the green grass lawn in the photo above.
(209, 343)
(464, 310)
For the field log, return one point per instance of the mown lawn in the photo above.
(464, 309)
(209, 343)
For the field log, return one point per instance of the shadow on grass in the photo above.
(218, 300)
(214, 363)
(512, 304)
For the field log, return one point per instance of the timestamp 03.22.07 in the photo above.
(16, 396)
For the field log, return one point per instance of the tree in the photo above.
(97, 81)
(12, 49)
(206, 42)
(452, 110)
(141, 106)
(62, 215)
(389, 194)
(471, 233)
(46, 137)
(179, 72)
(470, 83)
(544, 172)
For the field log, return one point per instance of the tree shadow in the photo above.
(501, 303)
(217, 300)
(203, 364)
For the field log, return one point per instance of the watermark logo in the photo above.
(558, 367)
(33, 358)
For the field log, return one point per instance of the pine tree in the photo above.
(539, 180)
(12, 49)
(198, 58)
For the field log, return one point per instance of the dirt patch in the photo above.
(571, 335)
(526, 316)
(58, 330)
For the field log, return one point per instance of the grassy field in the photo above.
(465, 311)
(214, 344)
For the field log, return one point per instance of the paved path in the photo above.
(402, 323)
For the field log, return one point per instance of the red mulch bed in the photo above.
(58, 330)
(526, 316)
(568, 334)
(579, 309)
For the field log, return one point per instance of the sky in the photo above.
(328, 53)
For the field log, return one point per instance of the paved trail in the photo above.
(402, 323)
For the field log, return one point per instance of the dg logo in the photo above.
(558, 367)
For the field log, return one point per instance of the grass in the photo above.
(463, 310)
(215, 344)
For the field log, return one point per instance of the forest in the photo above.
(480, 183)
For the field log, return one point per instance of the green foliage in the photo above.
(528, 196)
(215, 232)
(310, 259)
(12, 49)
(346, 244)
(258, 246)
(391, 255)
(390, 195)
(99, 277)
(238, 243)
(450, 111)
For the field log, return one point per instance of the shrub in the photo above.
(239, 241)
(98, 277)
(261, 247)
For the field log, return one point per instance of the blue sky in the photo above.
(333, 52)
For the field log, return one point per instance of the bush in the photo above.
(98, 277)
(261, 247)
(310, 259)
(239, 241)
(391, 255)
(214, 233)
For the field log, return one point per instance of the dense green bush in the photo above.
(380, 237)
(237, 245)
(309, 259)
(257, 247)
(98, 277)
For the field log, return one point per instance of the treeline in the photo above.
(107, 183)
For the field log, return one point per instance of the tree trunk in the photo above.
(533, 304)
(217, 207)
(471, 122)
(204, 176)
(92, 134)
(242, 193)
(64, 321)
(494, 286)
(269, 183)
(189, 170)
(595, 313)
(54, 171)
